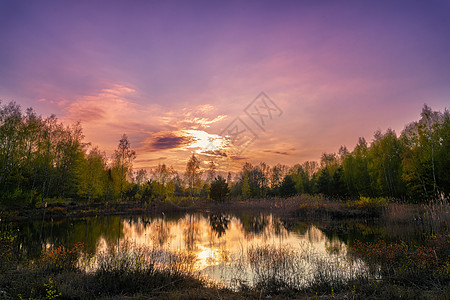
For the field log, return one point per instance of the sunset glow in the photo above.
(173, 75)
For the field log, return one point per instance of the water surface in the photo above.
(226, 248)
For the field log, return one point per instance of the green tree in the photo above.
(246, 193)
(161, 177)
(360, 173)
(193, 174)
(10, 139)
(287, 187)
(442, 155)
(92, 175)
(386, 165)
(123, 162)
(425, 156)
(219, 189)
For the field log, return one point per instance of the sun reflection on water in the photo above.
(219, 245)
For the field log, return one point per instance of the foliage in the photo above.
(51, 291)
(368, 203)
(41, 158)
(287, 188)
(422, 264)
(193, 175)
(413, 166)
(8, 241)
(122, 163)
(219, 189)
(61, 258)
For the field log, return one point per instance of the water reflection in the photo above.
(221, 245)
(191, 232)
(219, 223)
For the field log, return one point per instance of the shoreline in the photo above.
(295, 208)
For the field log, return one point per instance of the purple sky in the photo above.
(170, 74)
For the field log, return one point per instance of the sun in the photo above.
(205, 143)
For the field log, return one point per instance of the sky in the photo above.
(230, 81)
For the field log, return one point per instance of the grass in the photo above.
(376, 270)
(127, 271)
(284, 271)
(279, 273)
(425, 265)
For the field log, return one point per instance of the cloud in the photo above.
(113, 110)
(168, 140)
(194, 118)
(278, 152)
(107, 104)
(238, 158)
(149, 160)
(198, 122)
(214, 153)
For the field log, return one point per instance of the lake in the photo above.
(229, 249)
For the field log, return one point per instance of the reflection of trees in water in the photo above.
(138, 225)
(219, 223)
(146, 221)
(191, 232)
(279, 227)
(315, 235)
(258, 224)
(255, 225)
(160, 232)
(35, 236)
(90, 230)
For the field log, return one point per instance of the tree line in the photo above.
(413, 167)
(40, 158)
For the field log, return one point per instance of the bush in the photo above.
(369, 206)
(368, 202)
(419, 264)
(8, 238)
(61, 258)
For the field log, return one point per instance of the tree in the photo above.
(443, 155)
(193, 173)
(425, 155)
(161, 176)
(123, 159)
(92, 175)
(385, 164)
(287, 187)
(10, 127)
(310, 169)
(278, 172)
(219, 189)
(356, 170)
(211, 172)
(257, 179)
(245, 186)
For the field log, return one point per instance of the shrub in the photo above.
(368, 202)
(420, 264)
(369, 206)
(8, 239)
(61, 258)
